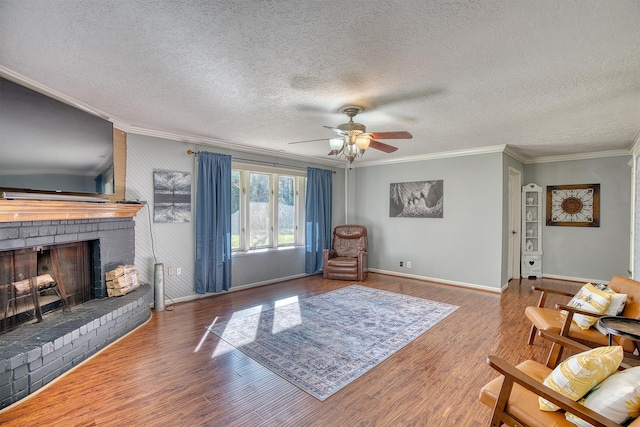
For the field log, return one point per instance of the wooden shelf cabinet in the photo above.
(531, 259)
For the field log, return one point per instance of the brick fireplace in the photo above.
(34, 354)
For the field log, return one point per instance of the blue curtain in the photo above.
(213, 223)
(318, 218)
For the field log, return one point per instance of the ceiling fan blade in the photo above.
(382, 146)
(391, 135)
(336, 130)
(412, 95)
(308, 140)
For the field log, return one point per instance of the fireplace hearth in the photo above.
(35, 353)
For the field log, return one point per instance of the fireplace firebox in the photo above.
(38, 280)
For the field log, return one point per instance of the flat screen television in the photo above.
(49, 146)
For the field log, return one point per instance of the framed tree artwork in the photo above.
(171, 196)
(573, 205)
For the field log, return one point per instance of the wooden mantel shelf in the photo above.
(41, 210)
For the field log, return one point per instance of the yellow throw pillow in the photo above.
(578, 374)
(589, 298)
(617, 398)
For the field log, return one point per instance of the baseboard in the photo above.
(194, 297)
(443, 281)
(268, 282)
(574, 279)
(389, 273)
(504, 287)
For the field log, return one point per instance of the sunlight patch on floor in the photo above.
(238, 318)
(222, 347)
(286, 315)
(204, 337)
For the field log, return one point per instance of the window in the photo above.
(267, 207)
(259, 211)
(286, 210)
(236, 222)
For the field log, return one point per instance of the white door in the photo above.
(515, 211)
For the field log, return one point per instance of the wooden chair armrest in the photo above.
(564, 341)
(576, 310)
(556, 349)
(553, 291)
(546, 291)
(628, 362)
(514, 375)
(559, 343)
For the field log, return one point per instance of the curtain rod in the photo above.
(259, 161)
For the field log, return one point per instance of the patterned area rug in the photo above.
(322, 343)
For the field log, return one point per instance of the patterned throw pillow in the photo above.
(617, 398)
(578, 374)
(589, 298)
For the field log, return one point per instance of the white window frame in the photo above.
(245, 170)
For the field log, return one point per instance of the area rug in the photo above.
(324, 342)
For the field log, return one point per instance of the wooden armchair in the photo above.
(514, 395)
(555, 321)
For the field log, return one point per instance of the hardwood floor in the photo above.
(171, 371)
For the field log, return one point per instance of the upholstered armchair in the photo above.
(347, 258)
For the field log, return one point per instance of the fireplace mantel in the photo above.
(44, 210)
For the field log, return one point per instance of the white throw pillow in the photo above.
(618, 301)
(616, 307)
(617, 398)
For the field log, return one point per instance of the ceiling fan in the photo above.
(353, 138)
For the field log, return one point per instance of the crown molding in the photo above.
(514, 153)
(229, 145)
(40, 88)
(434, 156)
(580, 156)
(635, 144)
(506, 149)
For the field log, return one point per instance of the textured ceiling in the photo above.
(547, 77)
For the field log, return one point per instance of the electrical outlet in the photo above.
(408, 264)
(178, 271)
(400, 263)
(171, 271)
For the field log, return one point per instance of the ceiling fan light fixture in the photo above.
(352, 136)
(351, 150)
(336, 144)
(353, 139)
(362, 142)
